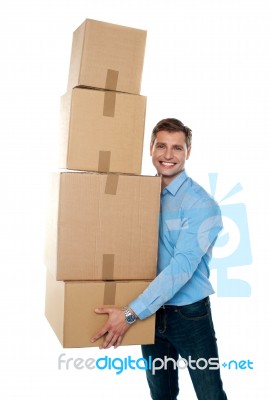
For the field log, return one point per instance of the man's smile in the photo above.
(167, 164)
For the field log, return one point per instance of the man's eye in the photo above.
(178, 148)
(160, 146)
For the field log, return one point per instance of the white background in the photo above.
(206, 63)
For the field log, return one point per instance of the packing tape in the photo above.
(109, 103)
(110, 94)
(109, 293)
(104, 160)
(107, 267)
(111, 184)
(111, 79)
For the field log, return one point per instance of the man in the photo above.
(189, 224)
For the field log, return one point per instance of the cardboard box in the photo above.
(107, 56)
(102, 131)
(70, 310)
(103, 226)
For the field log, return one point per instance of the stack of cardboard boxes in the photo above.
(103, 227)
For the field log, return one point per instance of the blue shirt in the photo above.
(190, 221)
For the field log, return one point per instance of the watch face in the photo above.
(130, 319)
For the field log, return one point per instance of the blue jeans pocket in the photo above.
(195, 311)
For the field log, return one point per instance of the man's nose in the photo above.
(168, 153)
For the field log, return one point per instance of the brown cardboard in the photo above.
(103, 226)
(107, 56)
(70, 310)
(102, 131)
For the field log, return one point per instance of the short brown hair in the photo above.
(172, 125)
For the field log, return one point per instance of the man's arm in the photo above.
(198, 233)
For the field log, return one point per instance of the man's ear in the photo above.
(151, 149)
(188, 153)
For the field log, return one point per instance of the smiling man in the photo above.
(189, 224)
(169, 153)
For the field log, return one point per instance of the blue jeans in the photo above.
(187, 331)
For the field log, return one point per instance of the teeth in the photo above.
(167, 164)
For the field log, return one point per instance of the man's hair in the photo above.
(172, 125)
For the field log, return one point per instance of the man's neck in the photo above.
(166, 180)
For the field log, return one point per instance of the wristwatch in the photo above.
(129, 316)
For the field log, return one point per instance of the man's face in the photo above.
(169, 153)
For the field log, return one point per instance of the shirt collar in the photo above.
(177, 182)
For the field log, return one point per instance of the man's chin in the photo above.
(167, 173)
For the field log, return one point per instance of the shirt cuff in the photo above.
(139, 308)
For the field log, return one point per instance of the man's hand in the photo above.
(115, 327)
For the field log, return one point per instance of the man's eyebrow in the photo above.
(165, 143)
(174, 145)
